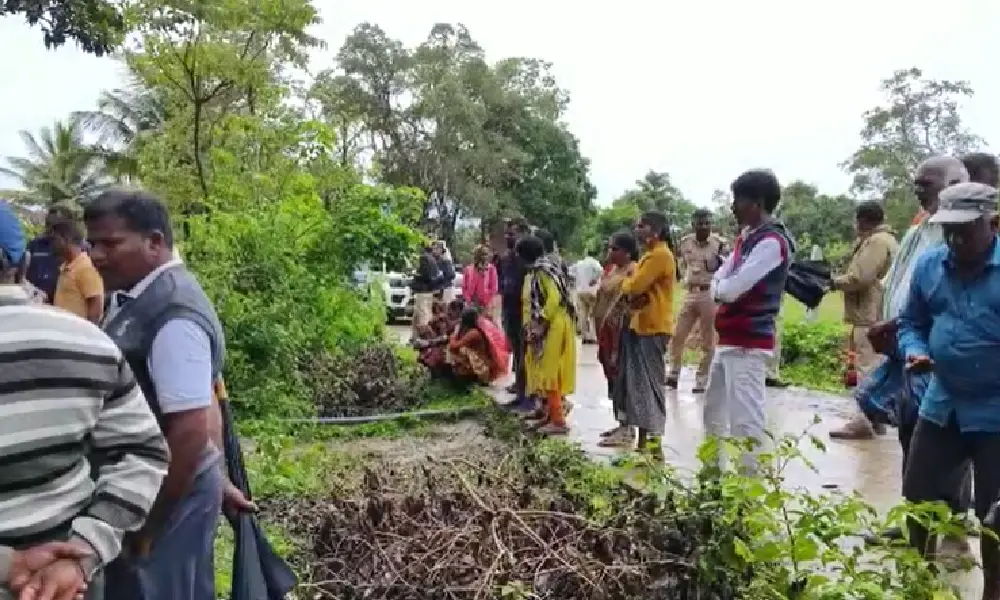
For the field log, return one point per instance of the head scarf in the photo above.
(549, 268)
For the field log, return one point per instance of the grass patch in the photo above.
(813, 352)
(283, 545)
(830, 310)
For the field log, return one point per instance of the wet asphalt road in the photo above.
(870, 467)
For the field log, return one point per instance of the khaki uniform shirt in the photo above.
(862, 282)
(701, 259)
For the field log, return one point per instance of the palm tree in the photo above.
(59, 167)
(122, 116)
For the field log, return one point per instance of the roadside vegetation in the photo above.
(282, 187)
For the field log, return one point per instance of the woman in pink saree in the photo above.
(480, 284)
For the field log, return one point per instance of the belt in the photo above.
(698, 287)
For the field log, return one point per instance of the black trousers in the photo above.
(514, 330)
(938, 462)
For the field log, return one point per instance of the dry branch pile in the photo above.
(466, 535)
(370, 381)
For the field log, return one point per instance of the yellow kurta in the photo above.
(554, 369)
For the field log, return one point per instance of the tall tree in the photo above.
(211, 63)
(551, 185)
(59, 167)
(96, 25)
(480, 140)
(655, 191)
(814, 218)
(121, 117)
(920, 119)
(723, 219)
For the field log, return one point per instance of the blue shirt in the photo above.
(956, 322)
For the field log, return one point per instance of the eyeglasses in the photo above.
(613, 248)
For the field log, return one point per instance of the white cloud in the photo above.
(701, 90)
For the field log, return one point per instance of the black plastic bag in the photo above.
(258, 572)
(808, 281)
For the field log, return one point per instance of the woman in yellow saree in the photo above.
(550, 335)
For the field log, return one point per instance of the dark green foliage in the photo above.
(96, 25)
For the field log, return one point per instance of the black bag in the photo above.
(808, 281)
(258, 572)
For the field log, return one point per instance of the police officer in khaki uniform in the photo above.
(874, 250)
(701, 253)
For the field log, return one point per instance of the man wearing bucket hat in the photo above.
(950, 327)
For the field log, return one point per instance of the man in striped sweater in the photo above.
(748, 287)
(68, 401)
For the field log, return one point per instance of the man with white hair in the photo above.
(930, 178)
(949, 327)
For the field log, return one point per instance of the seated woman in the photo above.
(432, 339)
(478, 351)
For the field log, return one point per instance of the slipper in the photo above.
(611, 432)
(553, 429)
(615, 442)
(536, 423)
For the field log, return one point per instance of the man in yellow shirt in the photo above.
(79, 288)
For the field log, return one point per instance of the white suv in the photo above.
(396, 289)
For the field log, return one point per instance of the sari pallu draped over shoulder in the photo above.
(497, 344)
(555, 273)
(610, 313)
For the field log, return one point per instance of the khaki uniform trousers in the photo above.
(423, 304)
(698, 308)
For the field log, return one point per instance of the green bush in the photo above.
(280, 279)
(812, 354)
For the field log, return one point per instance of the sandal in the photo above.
(534, 415)
(615, 442)
(536, 423)
(553, 429)
(624, 437)
(612, 432)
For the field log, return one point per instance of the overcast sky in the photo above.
(701, 91)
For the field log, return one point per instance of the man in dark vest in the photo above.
(168, 331)
(748, 288)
